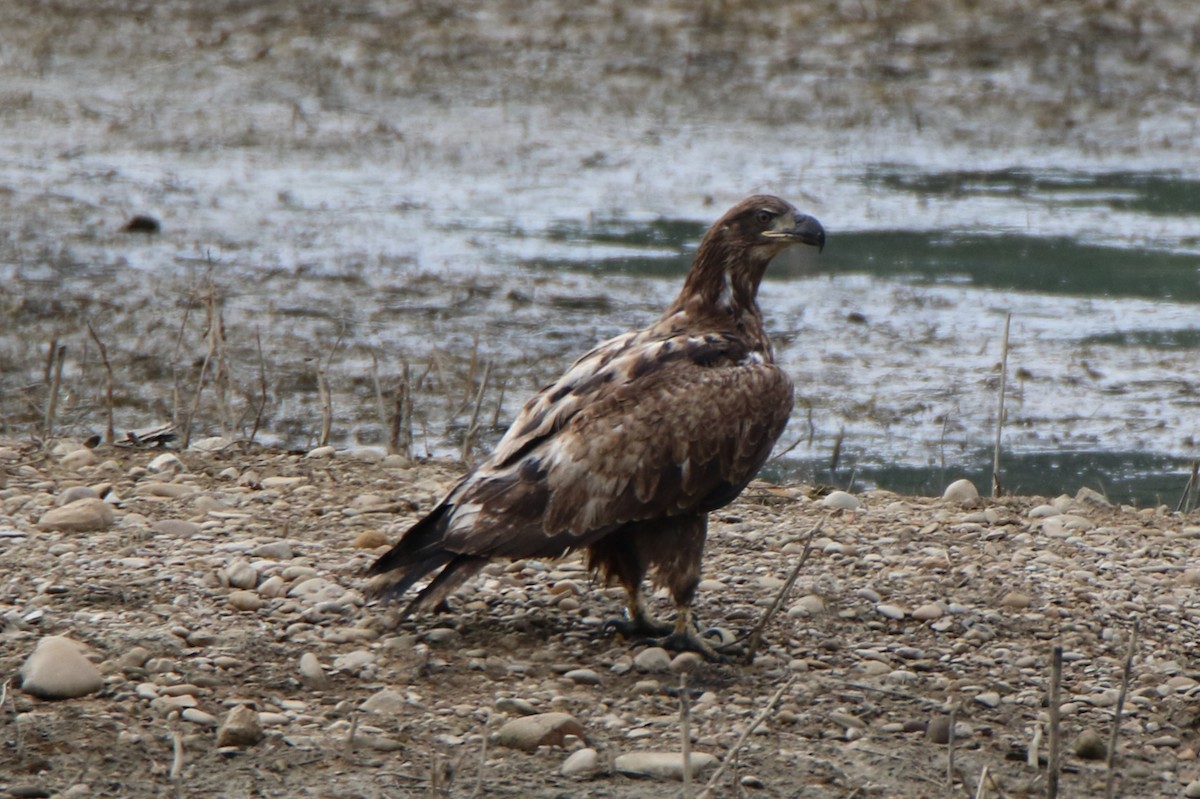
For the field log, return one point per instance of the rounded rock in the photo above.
(840, 500)
(961, 491)
(57, 669)
(241, 728)
(662, 765)
(581, 764)
(653, 660)
(527, 733)
(80, 516)
(1090, 746)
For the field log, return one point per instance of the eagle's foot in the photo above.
(640, 626)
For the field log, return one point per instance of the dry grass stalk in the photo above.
(483, 753)
(981, 791)
(262, 385)
(473, 425)
(1110, 771)
(731, 758)
(54, 369)
(685, 736)
(1190, 498)
(997, 489)
(757, 633)
(400, 439)
(177, 760)
(950, 752)
(108, 383)
(1055, 732)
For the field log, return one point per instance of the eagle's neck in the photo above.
(723, 285)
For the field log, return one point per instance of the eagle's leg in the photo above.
(619, 558)
(676, 557)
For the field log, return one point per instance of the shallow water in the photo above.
(351, 219)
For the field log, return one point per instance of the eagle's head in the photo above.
(762, 226)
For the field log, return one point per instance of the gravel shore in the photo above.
(218, 594)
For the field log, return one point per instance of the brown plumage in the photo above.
(627, 453)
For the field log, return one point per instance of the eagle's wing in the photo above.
(643, 427)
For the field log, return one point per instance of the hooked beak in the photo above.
(806, 230)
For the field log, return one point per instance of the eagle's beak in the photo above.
(806, 230)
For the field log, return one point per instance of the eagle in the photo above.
(627, 453)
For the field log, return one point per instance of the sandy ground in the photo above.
(221, 571)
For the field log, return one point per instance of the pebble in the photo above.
(353, 661)
(583, 677)
(312, 672)
(57, 669)
(686, 662)
(653, 660)
(370, 539)
(197, 716)
(241, 574)
(890, 611)
(988, 699)
(1192, 791)
(80, 516)
(74, 493)
(662, 765)
(211, 444)
(274, 550)
(175, 528)
(809, 605)
(928, 612)
(321, 452)
(961, 491)
(515, 706)
(246, 600)
(1090, 746)
(840, 500)
(542, 729)
(79, 459)
(166, 462)
(241, 728)
(386, 702)
(282, 482)
(443, 636)
(581, 764)
(1016, 599)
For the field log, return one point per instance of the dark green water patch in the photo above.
(1057, 265)
(1144, 480)
(1160, 193)
(1188, 339)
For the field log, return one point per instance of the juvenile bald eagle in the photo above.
(626, 454)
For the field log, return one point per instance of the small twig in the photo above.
(746, 733)
(323, 390)
(473, 426)
(350, 735)
(483, 752)
(1055, 739)
(982, 791)
(685, 737)
(836, 455)
(58, 353)
(950, 752)
(400, 440)
(997, 489)
(1186, 502)
(1110, 776)
(177, 760)
(262, 383)
(757, 633)
(108, 382)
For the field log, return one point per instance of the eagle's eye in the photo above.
(763, 217)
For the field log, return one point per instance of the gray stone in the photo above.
(544, 729)
(79, 459)
(240, 728)
(246, 600)
(80, 516)
(662, 765)
(175, 528)
(652, 659)
(583, 677)
(1090, 746)
(57, 669)
(312, 672)
(241, 574)
(321, 452)
(166, 462)
(74, 494)
(581, 764)
(515, 706)
(386, 702)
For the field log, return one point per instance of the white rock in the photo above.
(840, 500)
(316, 589)
(57, 669)
(80, 516)
(581, 764)
(653, 659)
(988, 699)
(321, 452)
(1044, 511)
(961, 491)
(890, 611)
(79, 459)
(662, 765)
(197, 716)
(353, 661)
(808, 605)
(311, 670)
(282, 482)
(166, 462)
(211, 444)
(928, 612)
